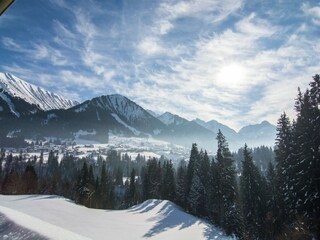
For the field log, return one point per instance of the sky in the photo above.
(236, 61)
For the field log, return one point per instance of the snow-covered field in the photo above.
(54, 217)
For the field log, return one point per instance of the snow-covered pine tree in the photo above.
(253, 199)
(285, 161)
(196, 197)
(194, 155)
(226, 187)
(306, 172)
(272, 205)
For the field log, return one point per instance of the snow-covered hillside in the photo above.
(169, 118)
(32, 94)
(55, 217)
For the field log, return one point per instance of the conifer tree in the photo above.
(253, 205)
(306, 170)
(168, 181)
(284, 161)
(226, 187)
(83, 185)
(103, 187)
(181, 185)
(194, 155)
(30, 180)
(272, 204)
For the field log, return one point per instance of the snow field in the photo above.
(58, 218)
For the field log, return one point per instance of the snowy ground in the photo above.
(54, 217)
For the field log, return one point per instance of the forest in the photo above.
(247, 197)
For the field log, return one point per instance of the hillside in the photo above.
(55, 217)
(32, 94)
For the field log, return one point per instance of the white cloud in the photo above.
(313, 12)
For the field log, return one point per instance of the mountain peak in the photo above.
(32, 94)
(169, 118)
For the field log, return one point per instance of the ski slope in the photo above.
(54, 217)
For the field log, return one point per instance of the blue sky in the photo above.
(236, 61)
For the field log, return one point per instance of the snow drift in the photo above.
(55, 217)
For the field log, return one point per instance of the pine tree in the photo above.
(103, 187)
(272, 204)
(130, 196)
(194, 155)
(83, 185)
(198, 195)
(181, 185)
(30, 180)
(253, 200)
(284, 162)
(168, 182)
(152, 186)
(226, 198)
(53, 173)
(306, 170)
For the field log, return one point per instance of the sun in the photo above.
(232, 75)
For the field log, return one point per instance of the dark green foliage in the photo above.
(226, 191)
(30, 180)
(252, 190)
(168, 190)
(181, 184)
(190, 172)
(152, 178)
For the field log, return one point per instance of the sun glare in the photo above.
(231, 75)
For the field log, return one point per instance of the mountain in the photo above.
(259, 134)
(45, 100)
(125, 112)
(156, 115)
(93, 120)
(55, 217)
(214, 127)
(30, 112)
(171, 119)
(184, 132)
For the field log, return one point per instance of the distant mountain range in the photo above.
(30, 111)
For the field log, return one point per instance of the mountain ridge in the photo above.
(118, 114)
(33, 94)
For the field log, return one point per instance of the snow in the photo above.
(80, 133)
(55, 217)
(169, 118)
(156, 131)
(10, 104)
(132, 129)
(32, 94)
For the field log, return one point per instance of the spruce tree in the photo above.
(306, 170)
(168, 182)
(194, 155)
(226, 198)
(253, 205)
(181, 185)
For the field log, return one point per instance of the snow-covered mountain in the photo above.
(32, 94)
(124, 111)
(214, 127)
(54, 217)
(31, 111)
(171, 119)
(263, 133)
